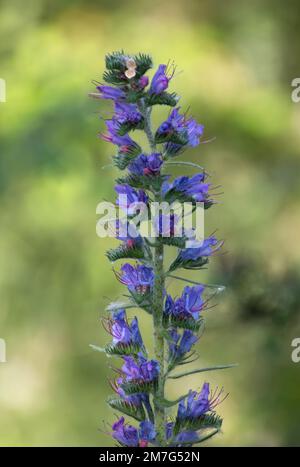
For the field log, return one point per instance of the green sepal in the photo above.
(138, 387)
(187, 323)
(122, 251)
(179, 196)
(132, 96)
(176, 138)
(136, 412)
(114, 77)
(144, 182)
(143, 300)
(143, 63)
(115, 61)
(164, 98)
(204, 422)
(178, 242)
(189, 264)
(126, 127)
(123, 159)
(122, 349)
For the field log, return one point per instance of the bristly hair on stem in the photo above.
(178, 322)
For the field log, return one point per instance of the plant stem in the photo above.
(158, 289)
(147, 124)
(158, 298)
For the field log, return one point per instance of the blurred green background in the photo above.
(238, 59)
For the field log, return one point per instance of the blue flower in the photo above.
(146, 165)
(188, 305)
(160, 80)
(112, 136)
(195, 404)
(128, 435)
(142, 371)
(109, 92)
(185, 437)
(128, 233)
(146, 433)
(165, 224)
(143, 82)
(179, 345)
(200, 249)
(128, 198)
(191, 187)
(122, 332)
(138, 279)
(180, 130)
(127, 114)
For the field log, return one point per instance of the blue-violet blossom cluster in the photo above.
(139, 387)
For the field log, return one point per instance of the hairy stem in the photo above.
(159, 339)
(158, 297)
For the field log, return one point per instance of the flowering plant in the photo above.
(177, 322)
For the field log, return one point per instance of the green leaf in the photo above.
(115, 306)
(138, 413)
(202, 370)
(164, 403)
(98, 349)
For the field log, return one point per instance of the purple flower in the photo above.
(127, 233)
(112, 136)
(165, 225)
(146, 433)
(139, 278)
(180, 130)
(134, 399)
(146, 165)
(130, 199)
(119, 328)
(200, 249)
(181, 344)
(197, 404)
(109, 92)
(122, 332)
(188, 305)
(184, 437)
(192, 187)
(128, 435)
(160, 80)
(142, 371)
(127, 114)
(143, 82)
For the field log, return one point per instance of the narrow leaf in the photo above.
(202, 370)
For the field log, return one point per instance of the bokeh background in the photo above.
(236, 61)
